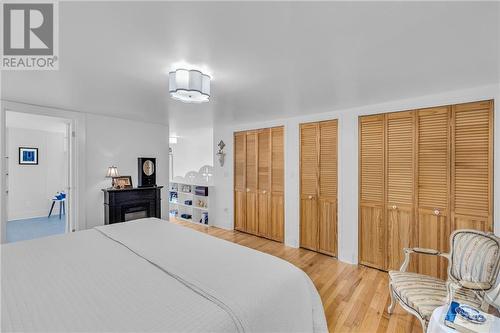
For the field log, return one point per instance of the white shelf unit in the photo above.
(179, 195)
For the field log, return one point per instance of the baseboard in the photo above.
(30, 215)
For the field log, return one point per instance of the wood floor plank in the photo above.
(355, 298)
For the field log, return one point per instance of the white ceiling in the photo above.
(35, 122)
(269, 60)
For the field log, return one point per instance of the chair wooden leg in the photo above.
(393, 299)
(52, 207)
(60, 209)
(484, 306)
(424, 325)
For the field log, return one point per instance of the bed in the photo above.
(151, 275)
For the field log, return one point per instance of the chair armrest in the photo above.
(452, 286)
(425, 251)
(419, 250)
(475, 285)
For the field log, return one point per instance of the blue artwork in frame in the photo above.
(28, 156)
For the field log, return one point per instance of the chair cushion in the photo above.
(424, 293)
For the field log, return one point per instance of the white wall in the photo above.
(119, 142)
(31, 187)
(348, 164)
(194, 149)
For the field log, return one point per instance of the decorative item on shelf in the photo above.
(173, 187)
(189, 86)
(28, 156)
(186, 216)
(201, 191)
(172, 197)
(220, 153)
(174, 212)
(201, 204)
(122, 182)
(112, 172)
(204, 218)
(186, 188)
(188, 202)
(147, 172)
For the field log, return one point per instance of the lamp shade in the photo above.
(112, 172)
(189, 86)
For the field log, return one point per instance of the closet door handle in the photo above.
(310, 197)
(248, 190)
(436, 211)
(264, 192)
(394, 207)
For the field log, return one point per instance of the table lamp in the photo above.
(111, 173)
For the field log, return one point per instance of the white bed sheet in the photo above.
(152, 276)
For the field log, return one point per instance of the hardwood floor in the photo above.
(355, 298)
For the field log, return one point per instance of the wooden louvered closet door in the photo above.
(240, 181)
(400, 173)
(327, 209)
(433, 158)
(372, 228)
(472, 166)
(259, 182)
(251, 182)
(277, 223)
(264, 182)
(309, 163)
(433, 175)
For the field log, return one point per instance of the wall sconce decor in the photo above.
(220, 153)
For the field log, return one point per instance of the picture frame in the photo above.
(122, 182)
(28, 156)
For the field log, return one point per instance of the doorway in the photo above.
(38, 170)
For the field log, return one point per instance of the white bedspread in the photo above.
(152, 275)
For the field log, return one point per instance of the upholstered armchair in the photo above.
(473, 266)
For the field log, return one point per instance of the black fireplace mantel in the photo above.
(121, 205)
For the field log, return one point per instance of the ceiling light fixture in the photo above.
(189, 86)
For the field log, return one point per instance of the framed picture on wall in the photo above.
(28, 156)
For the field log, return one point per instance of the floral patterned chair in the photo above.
(473, 267)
